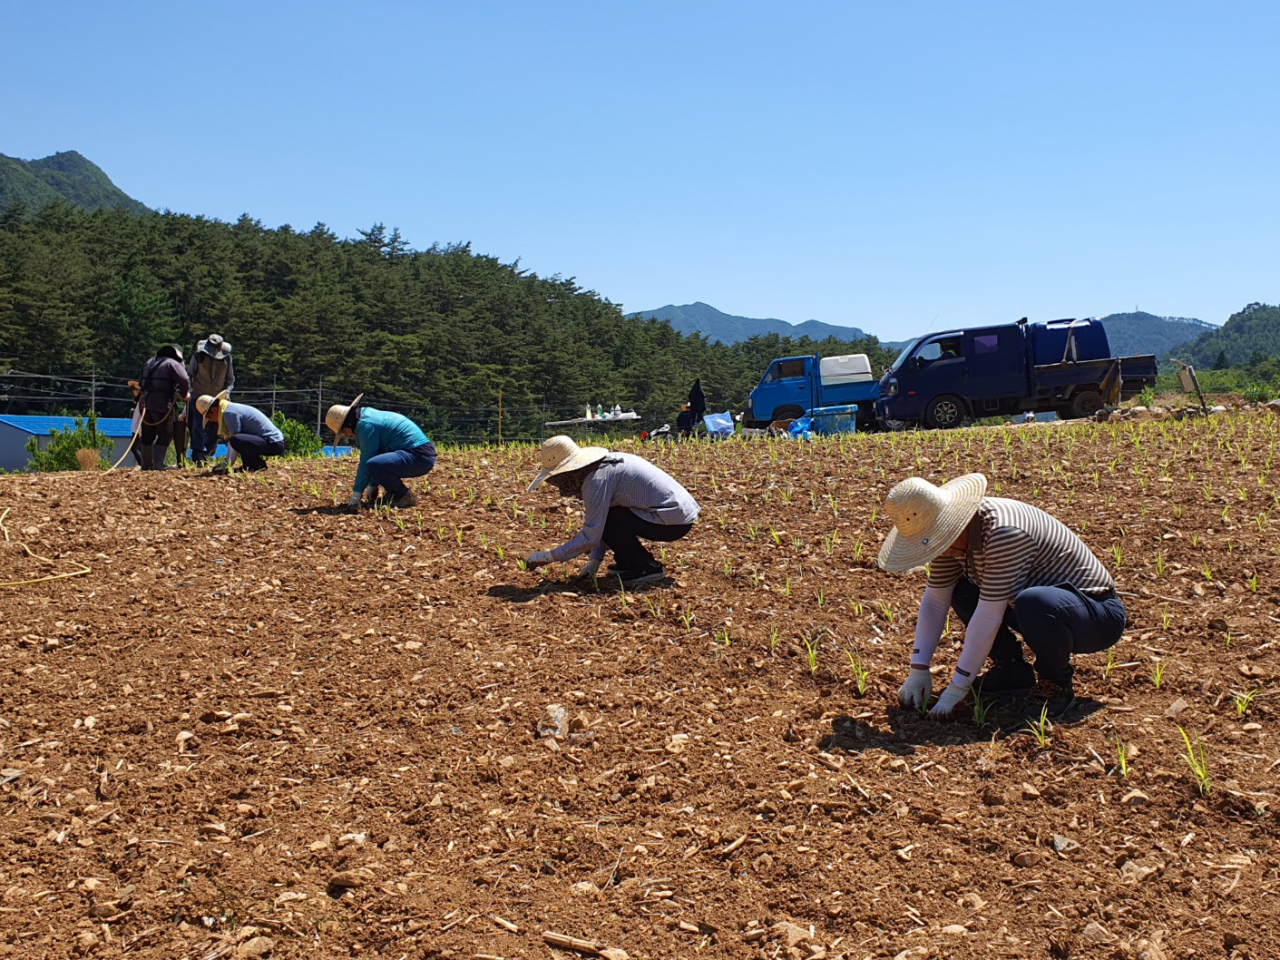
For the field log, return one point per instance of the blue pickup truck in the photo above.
(794, 386)
(1063, 366)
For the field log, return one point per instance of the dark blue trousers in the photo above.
(253, 448)
(389, 470)
(1055, 622)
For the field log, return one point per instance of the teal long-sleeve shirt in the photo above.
(380, 431)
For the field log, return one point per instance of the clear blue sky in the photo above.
(894, 166)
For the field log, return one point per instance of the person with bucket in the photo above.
(392, 449)
(626, 499)
(1004, 567)
(248, 431)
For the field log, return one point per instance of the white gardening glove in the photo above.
(539, 558)
(354, 501)
(951, 698)
(590, 569)
(915, 693)
(232, 454)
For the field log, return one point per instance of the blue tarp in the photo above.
(719, 425)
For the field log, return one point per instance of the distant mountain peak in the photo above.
(717, 326)
(67, 175)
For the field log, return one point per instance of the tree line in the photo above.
(445, 327)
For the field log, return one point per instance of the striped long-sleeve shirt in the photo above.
(1013, 546)
(625, 480)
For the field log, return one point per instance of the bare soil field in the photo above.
(260, 727)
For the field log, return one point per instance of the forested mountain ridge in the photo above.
(1143, 333)
(443, 326)
(62, 176)
(720, 327)
(1247, 338)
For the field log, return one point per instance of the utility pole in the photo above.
(93, 392)
(273, 394)
(319, 403)
(499, 416)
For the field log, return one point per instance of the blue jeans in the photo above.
(1055, 622)
(388, 470)
(204, 436)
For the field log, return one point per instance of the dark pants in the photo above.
(154, 438)
(204, 436)
(1055, 622)
(389, 470)
(622, 533)
(253, 448)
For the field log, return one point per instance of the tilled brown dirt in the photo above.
(261, 727)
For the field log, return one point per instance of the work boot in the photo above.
(144, 456)
(1050, 700)
(405, 500)
(648, 574)
(1006, 679)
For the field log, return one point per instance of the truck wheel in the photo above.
(1086, 403)
(787, 413)
(945, 412)
(1064, 413)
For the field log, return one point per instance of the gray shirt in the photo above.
(625, 480)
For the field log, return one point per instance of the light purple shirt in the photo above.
(625, 480)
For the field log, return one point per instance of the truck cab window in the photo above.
(945, 349)
(786, 369)
(986, 343)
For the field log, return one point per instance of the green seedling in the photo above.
(1040, 728)
(688, 618)
(1243, 700)
(1110, 664)
(1165, 618)
(1197, 758)
(1118, 553)
(1157, 673)
(722, 637)
(856, 607)
(1208, 572)
(861, 675)
(1122, 758)
(1159, 564)
(821, 597)
(773, 637)
(1252, 583)
(980, 709)
(886, 611)
(811, 646)
(521, 566)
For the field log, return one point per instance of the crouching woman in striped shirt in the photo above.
(1005, 568)
(625, 499)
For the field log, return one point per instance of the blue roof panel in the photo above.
(114, 427)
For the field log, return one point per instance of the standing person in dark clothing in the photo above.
(684, 423)
(211, 374)
(697, 402)
(163, 381)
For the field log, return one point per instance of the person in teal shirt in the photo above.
(392, 449)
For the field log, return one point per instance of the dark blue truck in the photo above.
(1063, 366)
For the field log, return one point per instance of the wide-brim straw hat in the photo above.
(337, 414)
(927, 519)
(561, 455)
(207, 403)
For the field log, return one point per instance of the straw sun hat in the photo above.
(207, 403)
(927, 519)
(337, 414)
(561, 455)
